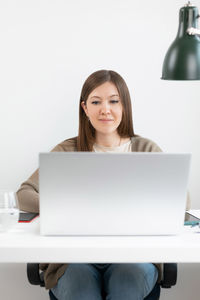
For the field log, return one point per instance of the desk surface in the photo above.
(24, 244)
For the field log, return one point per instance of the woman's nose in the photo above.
(105, 108)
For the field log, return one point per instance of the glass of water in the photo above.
(9, 210)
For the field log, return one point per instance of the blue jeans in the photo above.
(116, 281)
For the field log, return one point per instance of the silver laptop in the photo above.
(87, 193)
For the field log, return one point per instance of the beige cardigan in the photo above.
(28, 195)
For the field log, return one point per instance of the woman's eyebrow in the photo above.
(114, 95)
(96, 97)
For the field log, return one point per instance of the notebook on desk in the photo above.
(87, 193)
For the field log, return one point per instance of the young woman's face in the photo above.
(104, 108)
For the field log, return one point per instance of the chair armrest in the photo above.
(169, 275)
(34, 275)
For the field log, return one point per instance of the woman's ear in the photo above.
(84, 107)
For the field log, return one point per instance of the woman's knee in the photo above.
(78, 282)
(130, 281)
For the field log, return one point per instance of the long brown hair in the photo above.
(86, 134)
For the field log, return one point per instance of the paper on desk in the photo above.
(194, 212)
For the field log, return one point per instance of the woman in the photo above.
(105, 125)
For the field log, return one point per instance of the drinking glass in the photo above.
(9, 210)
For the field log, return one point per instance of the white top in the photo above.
(122, 148)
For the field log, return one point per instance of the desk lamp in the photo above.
(182, 60)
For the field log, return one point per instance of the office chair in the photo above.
(36, 277)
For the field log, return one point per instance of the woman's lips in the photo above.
(105, 120)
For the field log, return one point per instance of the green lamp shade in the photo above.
(182, 61)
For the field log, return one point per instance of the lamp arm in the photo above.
(193, 31)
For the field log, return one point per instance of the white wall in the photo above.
(48, 48)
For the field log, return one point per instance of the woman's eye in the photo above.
(111, 101)
(114, 101)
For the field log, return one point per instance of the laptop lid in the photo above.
(137, 193)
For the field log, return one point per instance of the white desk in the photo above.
(25, 244)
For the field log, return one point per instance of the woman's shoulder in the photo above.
(141, 144)
(67, 145)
